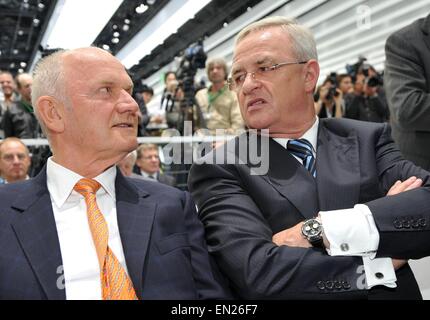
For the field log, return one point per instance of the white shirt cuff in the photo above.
(350, 232)
(379, 271)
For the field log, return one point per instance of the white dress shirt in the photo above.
(78, 252)
(352, 232)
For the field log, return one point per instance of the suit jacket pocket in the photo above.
(172, 242)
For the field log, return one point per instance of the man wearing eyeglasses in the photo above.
(338, 212)
(14, 160)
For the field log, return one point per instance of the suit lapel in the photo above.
(135, 212)
(338, 169)
(36, 231)
(292, 180)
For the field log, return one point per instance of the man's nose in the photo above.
(127, 103)
(250, 83)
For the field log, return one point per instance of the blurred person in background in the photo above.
(407, 84)
(329, 99)
(19, 119)
(8, 96)
(218, 104)
(15, 160)
(148, 163)
(368, 103)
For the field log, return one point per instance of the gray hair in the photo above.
(48, 80)
(302, 40)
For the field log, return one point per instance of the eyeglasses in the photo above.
(236, 81)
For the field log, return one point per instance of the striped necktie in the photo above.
(303, 149)
(116, 284)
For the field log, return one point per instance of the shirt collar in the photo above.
(60, 181)
(146, 175)
(310, 135)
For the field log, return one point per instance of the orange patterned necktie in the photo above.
(116, 284)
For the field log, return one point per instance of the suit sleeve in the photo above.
(240, 239)
(210, 283)
(405, 84)
(403, 220)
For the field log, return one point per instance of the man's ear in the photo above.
(312, 72)
(51, 113)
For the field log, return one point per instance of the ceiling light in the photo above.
(125, 27)
(115, 40)
(141, 8)
(166, 22)
(41, 6)
(20, 70)
(106, 47)
(114, 27)
(20, 32)
(15, 51)
(127, 21)
(116, 34)
(36, 22)
(225, 25)
(74, 24)
(23, 64)
(150, 2)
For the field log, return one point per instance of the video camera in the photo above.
(194, 58)
(332, 91)
(364, 67)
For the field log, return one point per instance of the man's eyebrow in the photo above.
(259, 62)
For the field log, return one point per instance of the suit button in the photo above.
(415, 224)
(329, 285)
(379, 275)
(344, 247)
(406, 224)
(321, 285)
(422, 222)
(337, 285)
(346, 285)
(397, 224)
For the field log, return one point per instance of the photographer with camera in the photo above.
(369, 101)
(329, 99)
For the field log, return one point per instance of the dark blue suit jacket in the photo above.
(162, 239)
(356, 163)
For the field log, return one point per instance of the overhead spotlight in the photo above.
(41, 6)
(12, 65)
(15, 51)
(225, 25)
(115, 40)
(125, 27)
(127, 21)
(36, 22)
(114, 27)
(141, 8)
(20, 32)
(23, 64)
(20, 70)
(106, 47)
(150, 2)
(116, 34)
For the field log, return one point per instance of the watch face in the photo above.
(311, 228)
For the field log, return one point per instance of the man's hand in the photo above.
(291, 237)
(406, 185)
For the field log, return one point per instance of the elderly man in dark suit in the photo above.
(80, 229)
(407, 85)
(316, 224)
